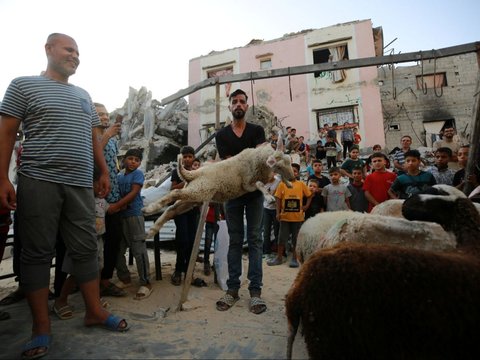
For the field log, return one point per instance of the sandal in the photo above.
(113, 324)
(226, 302)
(37, 342)
(199, 282)
(4, 315)
(13, 297)
(257, 305)
(104, 303)
(112, 290)
(63, 313)
(142, 293)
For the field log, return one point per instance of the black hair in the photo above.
(134, 152)
(413, 153)
(334, 169)
(296, 166)
(317, 161)
(444, 150)
(237, 92)
(354, 147)
(187, 150)
(378, 154)
(313, 181)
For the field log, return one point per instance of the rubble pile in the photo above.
(159, 131)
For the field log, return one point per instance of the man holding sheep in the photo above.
(230, 141)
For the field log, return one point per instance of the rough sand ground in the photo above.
(199, 331)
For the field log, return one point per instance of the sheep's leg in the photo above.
(158, 205)
(292, 332)
(179, 207)
(261, 186)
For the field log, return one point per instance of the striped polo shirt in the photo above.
(57, 122)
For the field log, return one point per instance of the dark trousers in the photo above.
(211, 230)
(60, 249)
(112, 236)
(331, 161)
(269, 221)
(347, 145)
(185, 237)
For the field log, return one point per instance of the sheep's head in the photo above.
(282, 165)
(442, 205)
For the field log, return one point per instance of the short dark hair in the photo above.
(187, 150)
(377, 146)
(334, 169)
(378, 154)
(354, 147)
(358, 168)
(444, 150)
(237, 92)
(313, 181)
(296, 166)
(406, 136)
(134, 152)
(317, 161)
(413, 153)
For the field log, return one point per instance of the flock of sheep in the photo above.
(400, 283)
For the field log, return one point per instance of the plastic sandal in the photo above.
(226, 302)
(257, 305)
(37, 342)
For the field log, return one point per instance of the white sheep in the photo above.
(222, 181)
(377, 301)
(327, 229)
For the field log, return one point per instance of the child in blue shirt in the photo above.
(130, 182)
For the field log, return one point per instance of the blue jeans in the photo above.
(252, 206)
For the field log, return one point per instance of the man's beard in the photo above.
(238, 114)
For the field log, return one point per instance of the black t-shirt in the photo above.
(229, 144)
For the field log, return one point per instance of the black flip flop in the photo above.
(12, 298)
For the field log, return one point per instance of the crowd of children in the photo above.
(356, 185)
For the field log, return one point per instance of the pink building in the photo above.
(316, 99)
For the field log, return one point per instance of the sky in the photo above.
(149, 43)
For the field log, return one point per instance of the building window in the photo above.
(222, 72)
(334, 53)
(339, 116)
(265, 64)
(432, 81)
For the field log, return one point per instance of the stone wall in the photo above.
(407, 107)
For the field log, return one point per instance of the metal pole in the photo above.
(193, 256)
(217, 106)
(473, 154)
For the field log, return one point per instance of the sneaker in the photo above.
(274, 262)
(293, 263)
(176, 278)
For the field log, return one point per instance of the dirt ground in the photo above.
(158, 330)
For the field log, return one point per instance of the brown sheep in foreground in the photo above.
(387, 302)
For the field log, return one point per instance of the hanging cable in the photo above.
(424, 85)
(290, 84)
(394, 89)
(251, 90)
(435, 76)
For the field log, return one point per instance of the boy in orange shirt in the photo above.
(290, 213)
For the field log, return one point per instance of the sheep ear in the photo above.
(271, 161)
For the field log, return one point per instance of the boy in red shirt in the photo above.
(378, 183)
